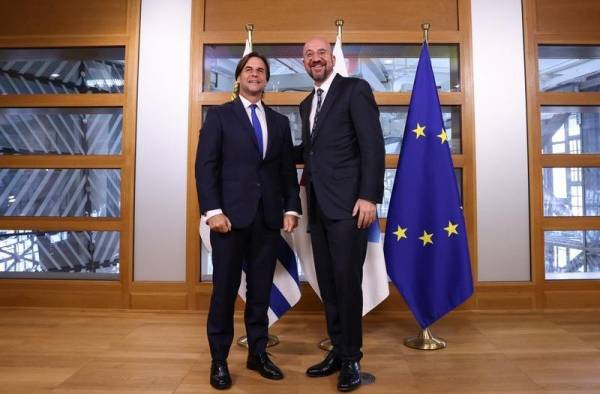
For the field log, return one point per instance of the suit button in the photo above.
(311, 153)
(258, 184)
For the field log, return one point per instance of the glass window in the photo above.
(387, 67)
(569, 68)
(59, 254)
(60, 192)
(573, 191)
(393, 121)
(62, 70)
(293, 114)
(388, 184)
(572, 254)
(571, 130)
(61, 131)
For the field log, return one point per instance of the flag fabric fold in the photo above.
(285, 292)
(340, 61)
(426, 249)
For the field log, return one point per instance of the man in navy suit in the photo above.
(248, 188)
(344, 161)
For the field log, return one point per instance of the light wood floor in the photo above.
(89, 351)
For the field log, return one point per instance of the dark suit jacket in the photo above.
(232, 175)
(345, 158)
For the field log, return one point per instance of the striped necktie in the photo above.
(319, 101)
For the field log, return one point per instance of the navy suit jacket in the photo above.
(231, 173)
(344, 157)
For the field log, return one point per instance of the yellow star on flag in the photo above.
(401, 233)
(443, 136)
(451, 229)
(426, 238)
(419, 131)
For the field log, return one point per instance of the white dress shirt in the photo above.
(313, 108)
(262, 118)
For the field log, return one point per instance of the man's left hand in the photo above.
(366, 212)
(290, 222)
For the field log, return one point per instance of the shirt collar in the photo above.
(325, 85)
(247, 103)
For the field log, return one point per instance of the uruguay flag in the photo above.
(285, 292)
(426, 248)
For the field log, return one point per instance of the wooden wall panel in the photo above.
(560, 16)
(86, 23)
(316, 15)
(63, 17)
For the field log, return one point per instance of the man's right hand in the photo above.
(219, 223)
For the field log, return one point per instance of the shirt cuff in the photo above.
(213, 212)
(294, 213)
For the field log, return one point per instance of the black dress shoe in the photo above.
(219, 375)
(261, 363)
(349, 378)
(330, 365)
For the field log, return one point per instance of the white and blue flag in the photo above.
(285, 292)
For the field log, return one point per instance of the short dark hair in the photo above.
(244, 60)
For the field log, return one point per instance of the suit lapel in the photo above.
(271, 130)
(329, 100)
(305, 116)
(240, 112)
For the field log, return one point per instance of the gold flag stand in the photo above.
(326, 345)
(425, 341)
(273, 341)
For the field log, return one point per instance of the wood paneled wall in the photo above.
(315, 15)
(556, 22)
(72, 23)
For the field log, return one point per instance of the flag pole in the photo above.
(250, 31)
(235, 90)
(425, 339)
(425, 27)
(339, 23)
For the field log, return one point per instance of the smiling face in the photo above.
(253, 78)
(318, 60)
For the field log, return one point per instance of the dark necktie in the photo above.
(319, 101)
(257, 129)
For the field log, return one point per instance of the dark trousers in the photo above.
(256, 246)
(339, 249)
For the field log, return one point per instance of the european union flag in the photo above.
(426, 250)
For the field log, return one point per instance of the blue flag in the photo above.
(426, 250)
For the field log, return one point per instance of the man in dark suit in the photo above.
(247, 187)
(344, 161)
